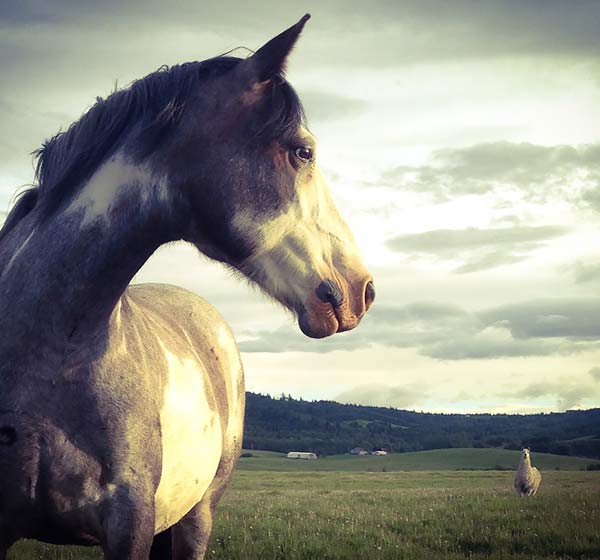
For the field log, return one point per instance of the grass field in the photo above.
(430, 515)
(435, 460)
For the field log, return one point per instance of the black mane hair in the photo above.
(155, 104)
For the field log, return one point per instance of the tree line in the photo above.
(325, 427)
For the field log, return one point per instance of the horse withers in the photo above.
(121, 409)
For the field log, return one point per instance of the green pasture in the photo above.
(435, 460)
(421, 514)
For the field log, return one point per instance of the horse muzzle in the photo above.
(335, 306)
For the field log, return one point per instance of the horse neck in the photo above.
(65, 273)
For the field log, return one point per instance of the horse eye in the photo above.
(304, 154)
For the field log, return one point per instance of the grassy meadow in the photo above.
(423, 511)
(434, 460)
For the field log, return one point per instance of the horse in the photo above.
(121, 408)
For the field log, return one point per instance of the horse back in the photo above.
(199, 388)
(184, 328)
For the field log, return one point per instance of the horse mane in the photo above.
(24, 204)
(153, 105)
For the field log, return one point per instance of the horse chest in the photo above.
(191, 441)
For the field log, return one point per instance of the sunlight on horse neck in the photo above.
(114, 180)
(80, 260)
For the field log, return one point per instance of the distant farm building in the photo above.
(379, 452)
(301, 455)
(358, 451)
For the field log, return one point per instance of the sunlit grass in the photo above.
(400, 515)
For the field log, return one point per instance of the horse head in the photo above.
(245, 172)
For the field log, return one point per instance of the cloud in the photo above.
(489, 260)
(586, 272)
(548, 318)
(559, 326)
(480, 249)
(595, 373)
(288, 339)
(491, 343)
(425, 310)
(400, 396)
(591, 196)
(535, 172)
(568, 392)
(323, 106)
(414, 30)
(394, 326)
(448, 240)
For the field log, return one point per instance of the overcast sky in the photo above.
(461, 140)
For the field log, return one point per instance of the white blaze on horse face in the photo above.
(110, 181)
(307, 243)
(191, 440)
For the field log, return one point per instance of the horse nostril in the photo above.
(369, 293)
(329, 292)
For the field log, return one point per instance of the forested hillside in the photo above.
(327, 427)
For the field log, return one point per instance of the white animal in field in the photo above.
(528, 478)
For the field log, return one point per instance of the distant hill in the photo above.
(433, 460)
(328, 428)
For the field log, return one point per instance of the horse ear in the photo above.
(269, 61)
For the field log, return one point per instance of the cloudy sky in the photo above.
(462, 144)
